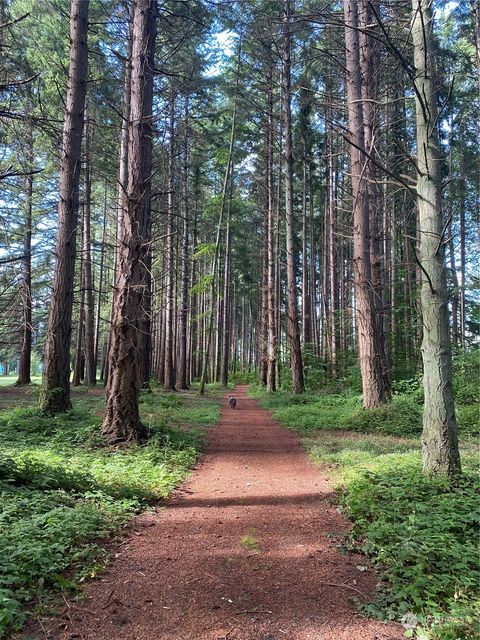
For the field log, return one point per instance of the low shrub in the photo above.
(422, 534)
(308, 413)
(329, 413)
(420, 531)
(411, 387)
(466, 369)
(42, 533)
(353, 379)
(62, 490)
(245, 377)
(468, 418)
(400, 417)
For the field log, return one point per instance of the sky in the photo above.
(222, 47)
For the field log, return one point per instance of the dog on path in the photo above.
(232, 401)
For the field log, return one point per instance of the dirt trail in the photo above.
(243, 551)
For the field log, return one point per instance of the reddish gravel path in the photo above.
(243, 551)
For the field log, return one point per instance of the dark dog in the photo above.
(232, 401)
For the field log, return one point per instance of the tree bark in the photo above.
(262, 333)
(439, 437)
(90, 367)
(145, 335)
(331, 248)
(122, 173)
(78, 367)
(370, 364)
(306, 312)
(55, 395)
(122, 419)
(313, 284)
(461, 196)
(194, 305)
(100, 278)
(293, 331)
(369, 66)
(271, 257)
(226, 322)
(26, 345)
(169, 374)
(182, 374)
(219, 306)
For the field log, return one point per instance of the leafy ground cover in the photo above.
(309, 413)
(62, 491)
(420, 532)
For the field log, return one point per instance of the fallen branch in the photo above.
(238, 613)
(345, 586)
(77, 608)
(107, 601)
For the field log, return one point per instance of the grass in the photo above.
(62, 491)
(249, 541)
(309, 413)
(6, 381)
(420, 532)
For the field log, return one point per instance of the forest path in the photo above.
(245, 550)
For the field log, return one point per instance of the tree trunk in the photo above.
(476, 9)
(145, 335)
(226, 295)
(169, 375)
(278, 219)
(323, 251)
(90, 368)
(461, 196)
(262, 310)
(369, 66)
(124, 141)
(122, 173)
(122, 419)
(271, 257)
(55, 395)
(161, 351)
(219, 307)
(79, 359)
(26, 348)
(194, 306)
(370, 364)
(100, 278)
(293, 332)
(182, 375)
(313, 284)
(455, 287)
(306, 310)
(332, 257)
(439, 437)
(454, 297)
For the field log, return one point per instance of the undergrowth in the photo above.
(62, 490)
(420, 532)
(309, 413)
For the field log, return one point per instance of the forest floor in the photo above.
(245, 549)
